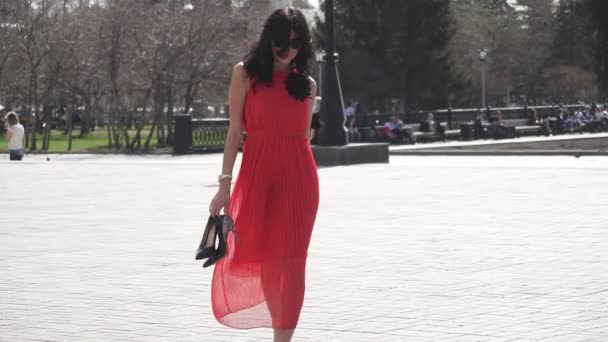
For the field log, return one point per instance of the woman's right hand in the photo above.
(220, 200)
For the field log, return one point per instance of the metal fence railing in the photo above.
(458, 116)
(209, 135)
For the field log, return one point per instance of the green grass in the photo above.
(96, 141)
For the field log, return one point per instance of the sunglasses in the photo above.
(295, 44)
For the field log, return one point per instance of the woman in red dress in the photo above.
(261, 280)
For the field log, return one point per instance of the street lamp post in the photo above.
(483, 54)
(333, 131)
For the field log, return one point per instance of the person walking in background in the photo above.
(353, 130)
(349, 117)
(15, 134)
(349, 112)
(261, 280)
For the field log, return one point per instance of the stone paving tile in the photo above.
(424, 249)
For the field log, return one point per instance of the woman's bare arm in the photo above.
(236, 99)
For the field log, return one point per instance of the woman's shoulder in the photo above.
(312, 81)
(16, 128)
(239, 72)
(313, 87)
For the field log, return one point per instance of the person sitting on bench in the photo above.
(428, 125)
(395, 130)
(498, 130)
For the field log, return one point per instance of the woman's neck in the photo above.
(281, 67)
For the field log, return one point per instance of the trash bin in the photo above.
(467, 131)
(556, 127)
(182, 140)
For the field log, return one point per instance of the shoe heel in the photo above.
(220, 252)
(207, 246)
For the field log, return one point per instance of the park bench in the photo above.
(448, 134)
(522, 127)
(418, 135)
(376, 133)
(510, 128)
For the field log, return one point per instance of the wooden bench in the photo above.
(522, 127)
(378, 133)
(453, 134)
(448, 134)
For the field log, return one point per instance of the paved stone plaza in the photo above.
(100, 248)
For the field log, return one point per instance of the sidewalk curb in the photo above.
(469, 152)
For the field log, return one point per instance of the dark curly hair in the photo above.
(259, 61)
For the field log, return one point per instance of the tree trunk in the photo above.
(160, 132)
(406, 49)
(125, 131)
(189, 97)
(34, 116)
(114, 126)
(135, 140)
(137, 137)
(85, 121)
(70, 118)
(159, 105)
(150, 135)
(109, 128)
(47, 132)
(403, 92)
(116, 135)
(169, 119)
(602, 58)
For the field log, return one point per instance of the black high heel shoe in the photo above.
(207, 246)
(224, 226)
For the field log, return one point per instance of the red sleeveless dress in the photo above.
(260, 282)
